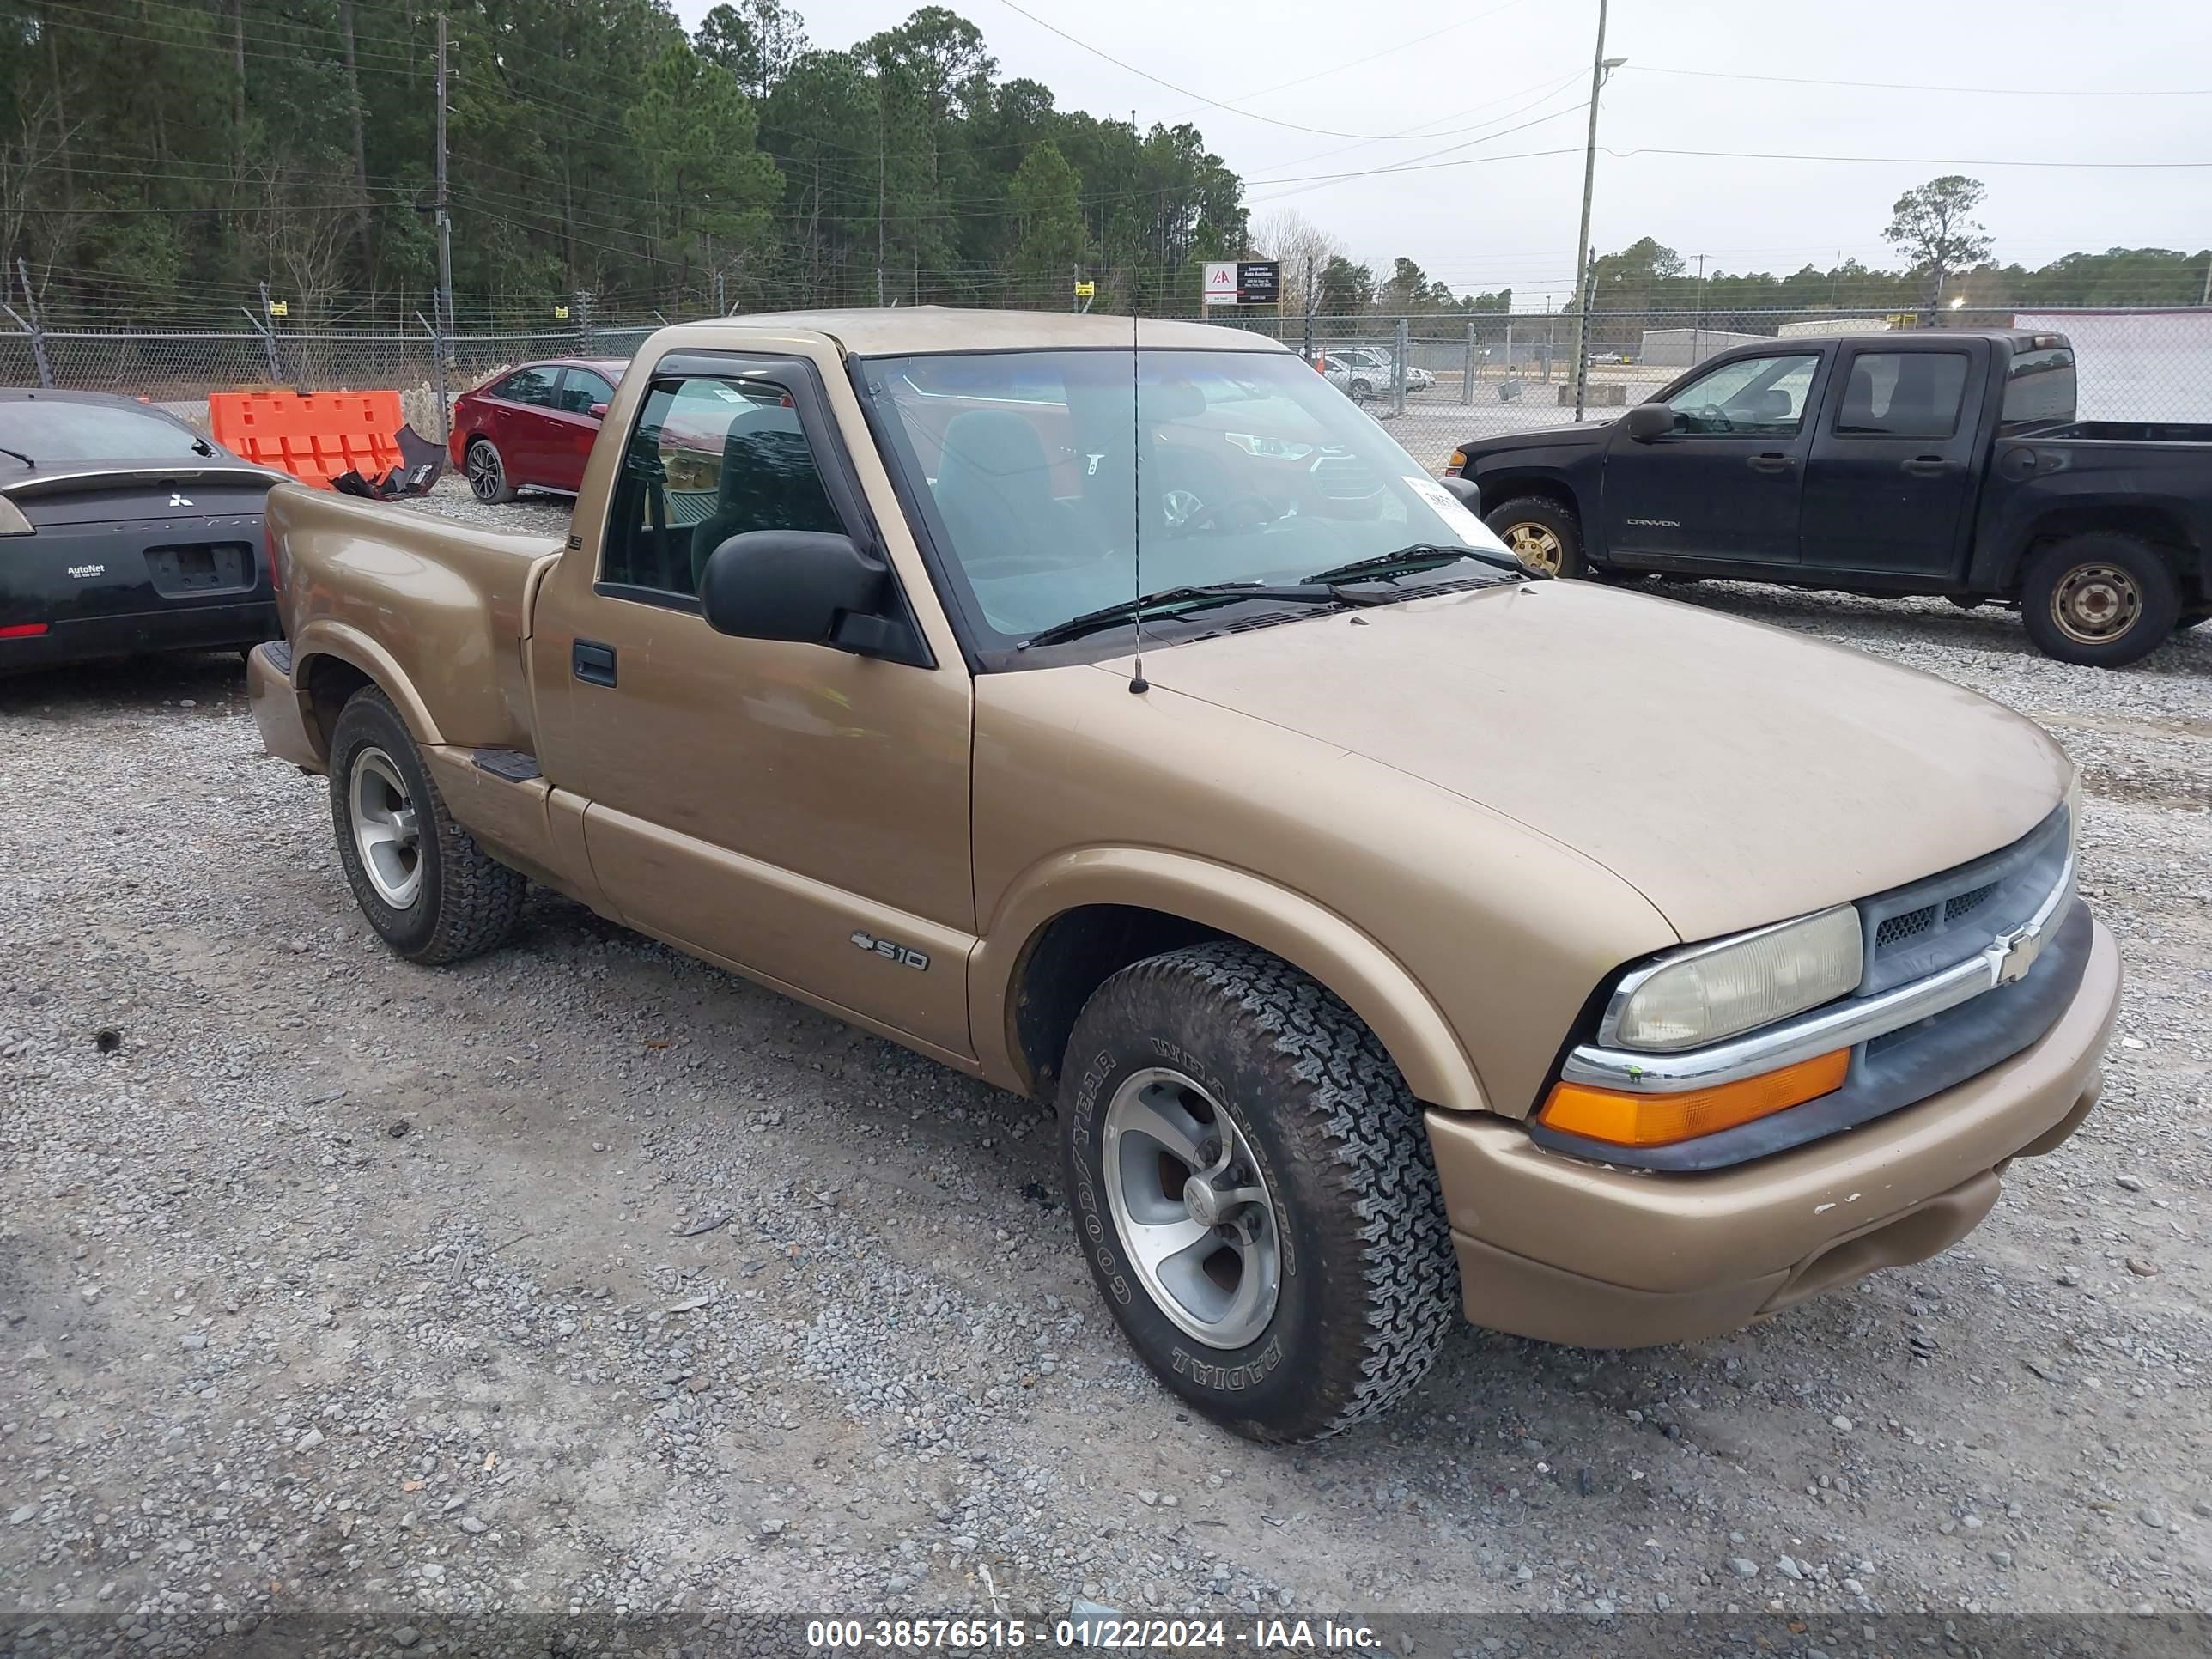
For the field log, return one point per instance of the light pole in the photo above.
(1600, 67)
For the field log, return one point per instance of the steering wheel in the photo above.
(1219, 515)
(1714, 416)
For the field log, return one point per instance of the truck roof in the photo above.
(901, 330)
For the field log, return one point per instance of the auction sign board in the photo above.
(1243, 282)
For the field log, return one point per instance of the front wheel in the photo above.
(1251, 1184)
(2104, 600)
(486, 473)
(429, 892)
(1544, 534)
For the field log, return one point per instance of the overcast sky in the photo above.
(1524, 64)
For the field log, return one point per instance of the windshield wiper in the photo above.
(1421, 556)
(20, 456)
(1181, 599)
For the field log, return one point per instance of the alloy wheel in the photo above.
(1534, 545)
(386, 834)
(1191, 1209)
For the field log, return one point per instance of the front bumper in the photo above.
(1567, 1250)
(277, 710)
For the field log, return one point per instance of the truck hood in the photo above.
(1540, 437)
(1733, 773)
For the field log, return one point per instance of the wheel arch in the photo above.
(1500, 488)
(1066, 927)
(2164, 526)
(330, 661)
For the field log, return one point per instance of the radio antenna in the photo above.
(1137, 683)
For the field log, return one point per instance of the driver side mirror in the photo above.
(597, 411)
(1650, 421)
(1469, 491)
(805, 586)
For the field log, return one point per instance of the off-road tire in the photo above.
(1561, 521)
(468, 903)
(490, 495)
(1370, 1283)
(2158, 598)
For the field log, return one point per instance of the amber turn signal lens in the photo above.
(1627, 1120)
(1458, 460)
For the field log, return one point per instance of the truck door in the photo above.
(795, 811)
(1725, 484)
(1892, 471)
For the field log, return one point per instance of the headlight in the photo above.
(1717, 991)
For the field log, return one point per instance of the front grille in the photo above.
(1927, 925)
(1966, 903)
(1904, 927)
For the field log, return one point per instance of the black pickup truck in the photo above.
(1938, 462)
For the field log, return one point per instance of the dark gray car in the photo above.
(123, 530)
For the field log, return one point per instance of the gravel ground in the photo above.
(585, 1279)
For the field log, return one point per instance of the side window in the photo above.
(1751, 397)
(580, 388)
(1902, 394)
(709, 458)
(527, 385)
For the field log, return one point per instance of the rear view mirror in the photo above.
(1650, 421)
(805, 586)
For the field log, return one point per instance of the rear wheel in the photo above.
(1545, 534)
(2104, 600)
(1251, 1184)
(486, 473)
(429, 892)
(1362, 391)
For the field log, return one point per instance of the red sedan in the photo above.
(533, 427)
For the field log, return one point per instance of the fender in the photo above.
(1312, 938)
(326, 637)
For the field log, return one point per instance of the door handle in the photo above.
(1772, 464)
(1927, 466)
(593, 663)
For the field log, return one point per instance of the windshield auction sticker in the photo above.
(1449, 507)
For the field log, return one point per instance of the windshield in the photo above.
(1237, 466)
(59, 432)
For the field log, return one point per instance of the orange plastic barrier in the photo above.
(313, 436)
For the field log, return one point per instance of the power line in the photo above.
(1916, 86)
(1183, 91)
(1898, 161)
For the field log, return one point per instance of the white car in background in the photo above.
(1362, 373)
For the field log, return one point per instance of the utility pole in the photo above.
(444, 306)
(1599, 64)
(880, 193)
(1698, 333)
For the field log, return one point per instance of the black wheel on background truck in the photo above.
(2104, 600)
(1251, 1184)
(1541, 532)
(429, 892)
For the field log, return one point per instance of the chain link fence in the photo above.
(1434, 379)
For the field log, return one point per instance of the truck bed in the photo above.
(2119, 432)
(448, 604)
